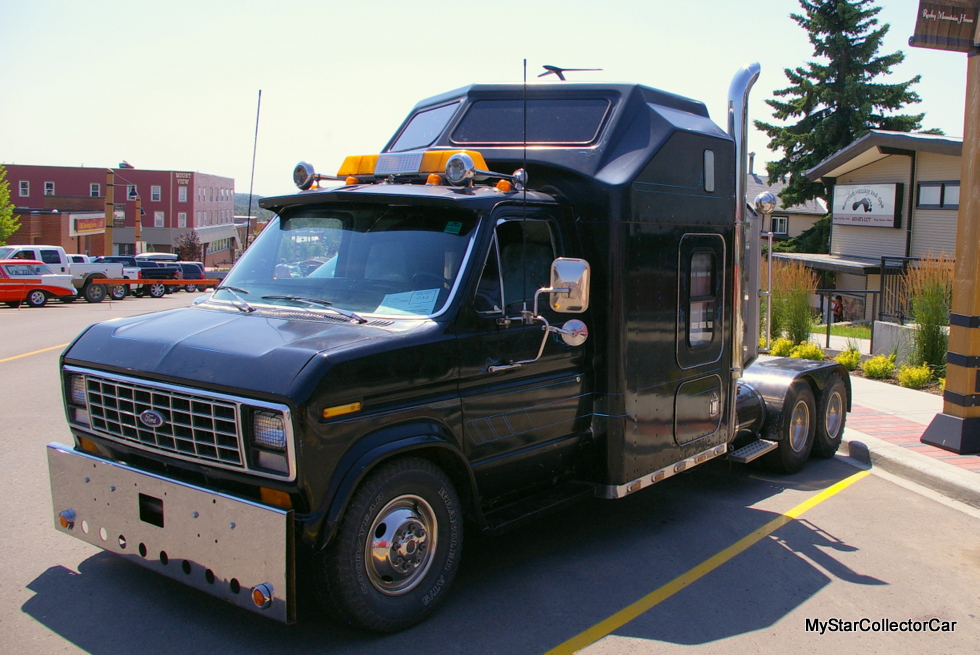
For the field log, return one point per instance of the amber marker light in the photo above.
(351, 181)
(275, 498)
(87, 445)
(340, 410)
(262, 596)
(67, 519)
(504, 185)
(433, 180)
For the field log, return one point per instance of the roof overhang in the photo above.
(878, 144)
(836, 263)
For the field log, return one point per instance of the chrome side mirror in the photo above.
(574, 275)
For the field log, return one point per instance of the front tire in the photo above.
(36, 298)
(94, 292)
(397, 549)
(118, 292)
(831, 416)
(795, 430)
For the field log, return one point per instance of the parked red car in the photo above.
(31, 281)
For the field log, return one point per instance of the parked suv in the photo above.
(192, 271)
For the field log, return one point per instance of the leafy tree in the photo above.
(188, 246)
(835, 100)
(8, 222)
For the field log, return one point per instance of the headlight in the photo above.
(78, 389)
(269, 431)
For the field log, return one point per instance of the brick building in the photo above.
(64, 203)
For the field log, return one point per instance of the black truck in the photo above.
(531, 296)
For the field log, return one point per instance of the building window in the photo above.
(182, 217)
(155, 193)
(182, 194)
(25, 188)
(49, 188)
(779, 224)
(95, 189)
(131, 192)
(938, 195)
(158, 219)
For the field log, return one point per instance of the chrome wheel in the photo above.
(799, 426)
(400, 545)
(834, 417)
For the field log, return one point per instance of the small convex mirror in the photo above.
(572, 274)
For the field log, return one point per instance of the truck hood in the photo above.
(216, 349)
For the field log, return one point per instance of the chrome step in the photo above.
(754, 450)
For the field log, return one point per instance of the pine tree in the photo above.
(837, 101)
(8, 222)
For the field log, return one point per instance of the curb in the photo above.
(934, 474)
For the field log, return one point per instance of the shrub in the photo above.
(942, 384)
(808, 351)
(849, 358)
(879, 368)
(781, 347)
(793, 286)
(914, 377)
(929, 286)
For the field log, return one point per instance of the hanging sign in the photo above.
(947, 25)
(868, 205)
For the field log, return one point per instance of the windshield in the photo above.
(369, 259)
(16, 270)
(5, 252)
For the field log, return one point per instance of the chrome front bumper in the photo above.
(219, 544)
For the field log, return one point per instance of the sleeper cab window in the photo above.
(701, 313)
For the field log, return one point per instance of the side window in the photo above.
(701, 313)
(518, 264)
(701, 281)
(50, 257)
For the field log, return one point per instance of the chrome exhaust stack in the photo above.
(746, 248)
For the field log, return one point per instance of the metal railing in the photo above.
(895, 303)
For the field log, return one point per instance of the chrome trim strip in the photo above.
(239, 401)
(611, 492)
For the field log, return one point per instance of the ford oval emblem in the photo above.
(152, 418)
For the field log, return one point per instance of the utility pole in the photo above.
(958, 427)
(110, 209)
(139, 222)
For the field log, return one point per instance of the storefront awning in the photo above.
(838, 263)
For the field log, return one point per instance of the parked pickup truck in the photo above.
(85, 277)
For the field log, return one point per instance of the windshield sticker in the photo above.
(453, 227)
(419, 303)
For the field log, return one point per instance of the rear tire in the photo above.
(36, 298)
(831, 417)
(397, 548)
(118, 292)
(94, 292)
(157, 290)
(795, 430)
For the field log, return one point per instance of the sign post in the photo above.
(952, 25)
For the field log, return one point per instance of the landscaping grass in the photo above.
(851, 331)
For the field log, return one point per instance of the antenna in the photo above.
(251, 181)
(524, 202)
(557, 70)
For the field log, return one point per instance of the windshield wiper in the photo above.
(241, 305)
(318, 302)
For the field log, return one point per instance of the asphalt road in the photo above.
(875, 550)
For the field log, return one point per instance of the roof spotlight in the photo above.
(304, 176)
(460, 169)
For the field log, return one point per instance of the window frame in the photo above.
(182, 193)
(494, 250)
(156, 192)
(785, 222)
(942, 184)
(159, 219)
(181, 219)
(24, 188)
(49, 188)
(94, 190)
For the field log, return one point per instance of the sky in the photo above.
(174, 85)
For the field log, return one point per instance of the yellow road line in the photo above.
(36, 352)
(627, 614)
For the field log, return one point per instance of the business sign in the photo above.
(868, 205)
(87, 223)
(947, 25)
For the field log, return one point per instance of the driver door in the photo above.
(519, 424)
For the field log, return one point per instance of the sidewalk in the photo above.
(883, 429)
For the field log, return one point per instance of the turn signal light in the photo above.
(87, 445)
(339, 410)
(262, 596)
(275, 498)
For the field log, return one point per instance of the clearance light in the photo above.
(66, 519)
(405, 163)
(351, 180)
(433, 180)
(262, 596)
(275, 498)
(339, 410)
(505, 186)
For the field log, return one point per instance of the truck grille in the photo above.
(195, 427)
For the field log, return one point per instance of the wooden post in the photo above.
(110, 209)
(958, 427)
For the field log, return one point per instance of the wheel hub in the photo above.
(799, 427)
(401, 543)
